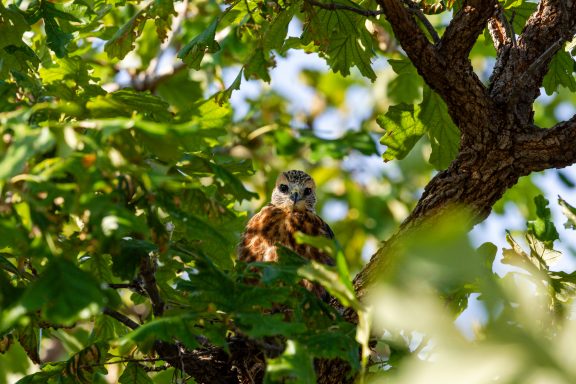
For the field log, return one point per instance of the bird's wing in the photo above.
(328, 231)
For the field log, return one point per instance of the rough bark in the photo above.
(499, 143)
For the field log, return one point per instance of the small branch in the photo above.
(121, 318)
(344, 7)
(519, 73)
(464, 29)
(423, 19)
(544, 58)
(147, 271)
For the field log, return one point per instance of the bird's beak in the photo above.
(295, 197)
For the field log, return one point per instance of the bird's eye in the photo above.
(283, 188)
(307, 191)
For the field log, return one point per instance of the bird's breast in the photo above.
(272, 226)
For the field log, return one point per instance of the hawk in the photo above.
(292, 209)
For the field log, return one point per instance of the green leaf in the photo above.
(163, 11)
(134, 373)
(132, 251)
(28, 338)
(62, 291)
(27, 143)
(12, 27)
(224, 96)
(331, 247)
(406, 87)
(360, 141)
(256, 325)
(258, 65)
(443, 134)
(125, 102)
(295, 364)
(518, 257)
(341, 37)
(57, 40)
(560, 73)
(123, 40)
(193, 52)
(569, 211)
(543, 251)
(182, 328)
(520, 11)
(329, 278)
(402, 130)
(543, 227)
(273, 37)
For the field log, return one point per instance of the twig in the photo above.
(542, 59)
(344, 7)
(147, 270)
(415, 10)
(121, 318)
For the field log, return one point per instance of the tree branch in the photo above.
(547, 148)
(121, 318)
(500, 30)
(414, 9)
(344, 7)
(464, 29)
(147, 271)
(452, 78)
(519, 72)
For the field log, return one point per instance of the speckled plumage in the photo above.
(292, 209)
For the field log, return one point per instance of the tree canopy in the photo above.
(138, 137)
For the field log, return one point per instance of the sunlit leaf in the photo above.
(443, 133)
(560, 73)
(341, 37)
(568, 211)
(402, 130)
(193, 52)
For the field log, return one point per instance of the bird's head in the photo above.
(294, 190)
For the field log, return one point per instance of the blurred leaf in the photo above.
(258, 66)
(26, 145)
(402, 130)
(339, 148)
(132, 251)
(193, 52)
(224, 96)
(568, 211)
(273, 37)
(57, 39)
(257, 325)
(332, 248)
(123, 40)
(134, 374)
(328, 277)
(165, 328)
(62, 291)
(295, 364)
(28, 338)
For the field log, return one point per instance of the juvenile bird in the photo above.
(292, 209)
